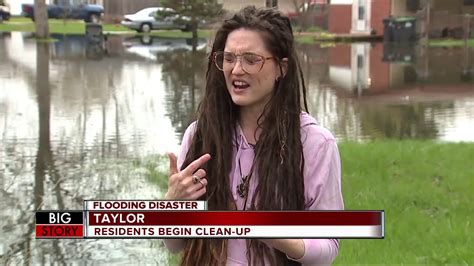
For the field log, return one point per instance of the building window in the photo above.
(361, 9)
(360, 61)
(413, 5)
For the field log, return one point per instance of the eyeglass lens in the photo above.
(251, 63)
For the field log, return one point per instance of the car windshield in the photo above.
(146, 12)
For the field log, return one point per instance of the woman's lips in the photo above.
(239, 86)
(238, 90)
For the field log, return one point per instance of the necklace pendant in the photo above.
(243, 186)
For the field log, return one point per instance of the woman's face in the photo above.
(249, 90)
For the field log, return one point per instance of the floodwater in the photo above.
(78, 122)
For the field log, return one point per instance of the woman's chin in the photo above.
(240, 101)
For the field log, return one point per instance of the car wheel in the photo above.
(93, 18)
(145, 27)
(186, 28)
(146, 39)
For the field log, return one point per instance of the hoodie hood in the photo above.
(307, 120)
(240, 141)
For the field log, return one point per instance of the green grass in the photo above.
(450, 43)
(426, 190)
(309, 29)
(154, 169)
(304, 39)
(79, 27)
(55, 26)
(312, 39)
(181, 34)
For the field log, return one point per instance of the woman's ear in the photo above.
(284, 66)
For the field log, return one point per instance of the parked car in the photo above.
(156, 18)
(4, 13)
(88, 13)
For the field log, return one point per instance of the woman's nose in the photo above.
(238, 67)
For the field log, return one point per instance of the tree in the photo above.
(197, 11)
(271, 3)
(183, 72)
(310, 13)
(41, 19)
(301, 18)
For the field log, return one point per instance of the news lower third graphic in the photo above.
(191, 219)
(60, 224)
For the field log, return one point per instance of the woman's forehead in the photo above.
(245, 40)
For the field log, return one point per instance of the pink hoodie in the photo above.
(322, 181)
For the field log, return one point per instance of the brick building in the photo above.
(446, 17)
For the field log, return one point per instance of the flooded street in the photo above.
(76, 124)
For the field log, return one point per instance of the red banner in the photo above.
(236, 218)
(59, 231)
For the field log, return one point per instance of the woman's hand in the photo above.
(294, 248)
(189, 184)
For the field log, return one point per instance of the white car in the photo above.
(146, 20)
(151, 47)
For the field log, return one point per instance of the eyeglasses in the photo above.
(250, 62)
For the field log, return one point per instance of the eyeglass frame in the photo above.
(214, 55)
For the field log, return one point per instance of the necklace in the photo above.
(243, 186)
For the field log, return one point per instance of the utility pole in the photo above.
(467, 27)
(425, 41)
(466, 58)
(41, 19)
(428, 20)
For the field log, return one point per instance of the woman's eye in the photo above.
(229, 58)
(252, 59)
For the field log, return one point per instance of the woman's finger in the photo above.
(192, 167)
(173, 163)
(200, 190)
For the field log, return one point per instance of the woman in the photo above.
(253, 148)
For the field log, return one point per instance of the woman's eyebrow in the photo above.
(241, 53)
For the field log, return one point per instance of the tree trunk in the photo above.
(41, 19)
(44, 112)
(428, 21)
(194, 28)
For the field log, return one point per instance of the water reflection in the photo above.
(44, 164)
(183, 73)
(151, 47)
(77, 127)
(67, 135)
(376, 91)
